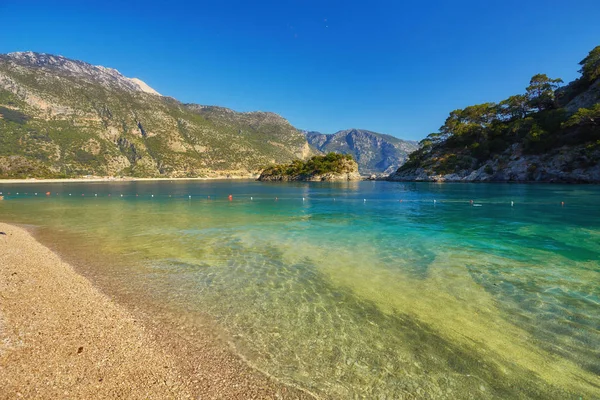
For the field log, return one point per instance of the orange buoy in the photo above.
(230, 197)
(47, 193)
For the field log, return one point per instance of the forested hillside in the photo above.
(549, 133)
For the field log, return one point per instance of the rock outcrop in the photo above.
(330, 168)
(582, 99)
(564, 165)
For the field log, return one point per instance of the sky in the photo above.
(395, 67)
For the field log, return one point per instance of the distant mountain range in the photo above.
(65, 118)
(375, 153)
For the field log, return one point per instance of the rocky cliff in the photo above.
(64, 118)
(567, 164)
(375, 153)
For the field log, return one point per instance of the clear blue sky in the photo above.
(389, 66)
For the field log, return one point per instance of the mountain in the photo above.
(548, 134)
(62, 118)
(374, 152)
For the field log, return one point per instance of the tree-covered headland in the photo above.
(545, 117)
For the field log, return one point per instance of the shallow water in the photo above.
(366, 290)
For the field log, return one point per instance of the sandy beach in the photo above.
(61, 337)
(124, 179)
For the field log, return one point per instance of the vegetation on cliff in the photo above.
(540, 121)
(329, 164)
(66, 118)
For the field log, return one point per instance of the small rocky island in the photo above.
(330, 167)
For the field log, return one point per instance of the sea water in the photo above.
(358, 289)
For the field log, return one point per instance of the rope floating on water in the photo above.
(303, 199)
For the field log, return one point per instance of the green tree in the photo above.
(514, 107)
(585, 117)
(470, 121)
(590, 66)
(540, 92)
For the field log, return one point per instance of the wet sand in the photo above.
(61, 337)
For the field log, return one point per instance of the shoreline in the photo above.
(477, 182)
(254, 178)
(62, 336)
(125, 179)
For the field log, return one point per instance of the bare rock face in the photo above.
(54, 64)
(586, 99)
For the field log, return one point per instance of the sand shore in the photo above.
(61, 337)
(125, 179)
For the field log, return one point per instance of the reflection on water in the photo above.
(366, 289)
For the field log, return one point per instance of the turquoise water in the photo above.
(357, 290)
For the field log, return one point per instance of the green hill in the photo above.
(66, 118)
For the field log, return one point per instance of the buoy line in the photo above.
(232, 198)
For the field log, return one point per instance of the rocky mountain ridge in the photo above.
(374, 152)
(59, 65)
(67, 118)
